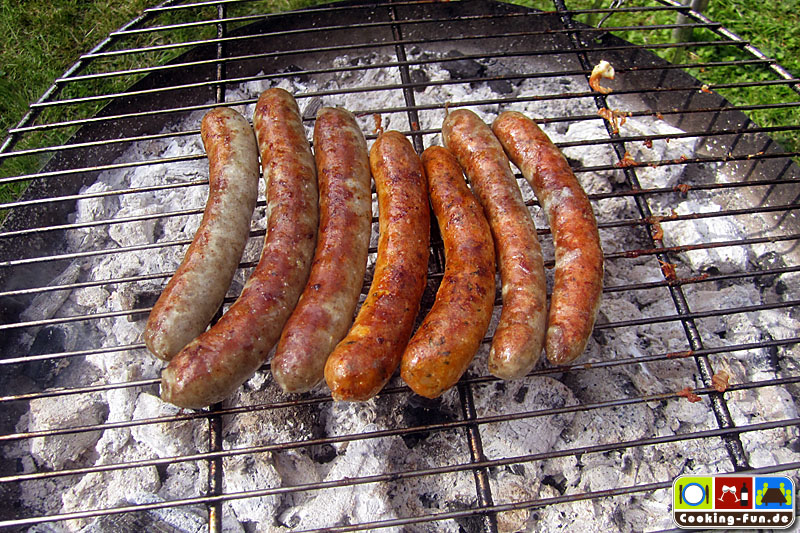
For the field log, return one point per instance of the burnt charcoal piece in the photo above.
(50, 339)
(557, 482)
(419, 77)
(519, 396)
(311, 108)
(768, 261)
(462, 68)
(295, 68)
(132, 522)
(324, 453)
(143, 300)
(501, 86)
(469, 524)
(421, 411)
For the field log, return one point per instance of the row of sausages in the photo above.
(302, 295)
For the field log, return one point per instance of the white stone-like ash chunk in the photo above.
(591, 155)
(91, 297)
(133, 234)
(77, 410)
(183, 478)
(732, 258)
(101, 490)
(349, 504)
(166, 439)
(658, 150)
(528, 435)
(248, 473)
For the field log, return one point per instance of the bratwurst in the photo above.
(196, 290)
(325, 310)
(448, 338)
(366, 358)
(578, 283)
(212, 366)
(519, 337)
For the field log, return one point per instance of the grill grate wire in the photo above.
(721, 412)
(581, 45)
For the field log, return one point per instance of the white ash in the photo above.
(57, 451)
(365, 456)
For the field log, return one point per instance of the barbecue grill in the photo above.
(697, 210)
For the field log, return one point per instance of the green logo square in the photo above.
(693, 492)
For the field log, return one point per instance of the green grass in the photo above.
(774, 28)
(42, 38)
(775, 31)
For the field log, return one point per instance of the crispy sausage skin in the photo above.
(196, 290)
(325, 310)
(366, 358)
(448, 338)
(519, 337)
(212, 366)
(578, 283)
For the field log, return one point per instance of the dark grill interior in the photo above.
(657, 328)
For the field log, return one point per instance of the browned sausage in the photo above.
(325, 310)
(519, 337)
(367, 357)
(449, 336)
(196, 290)
(578, 283)
(212, 366)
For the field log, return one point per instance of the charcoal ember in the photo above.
(470, 523)
(293, 69)
(351, 502)
(98, 490)
(527, 435)
(143, 299)
(50, 339)
(45, 305)
(699, 231)
(130, 523)
(323, 453)
(311, 108)
(422, 411)
(163, 440)
(419, 77)
(501, 86)
(251, 472)
(768, 261)
(516, 488)
(461, 69)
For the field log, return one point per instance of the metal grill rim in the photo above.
(486, 509)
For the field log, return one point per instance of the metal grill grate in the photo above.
(178, 59)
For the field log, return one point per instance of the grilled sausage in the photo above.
(366, 358)
(519, 337)
(578, 282)
(196, 290)
(325, 310)
(448, 338)
(212, 366)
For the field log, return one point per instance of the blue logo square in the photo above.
(774, 493)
